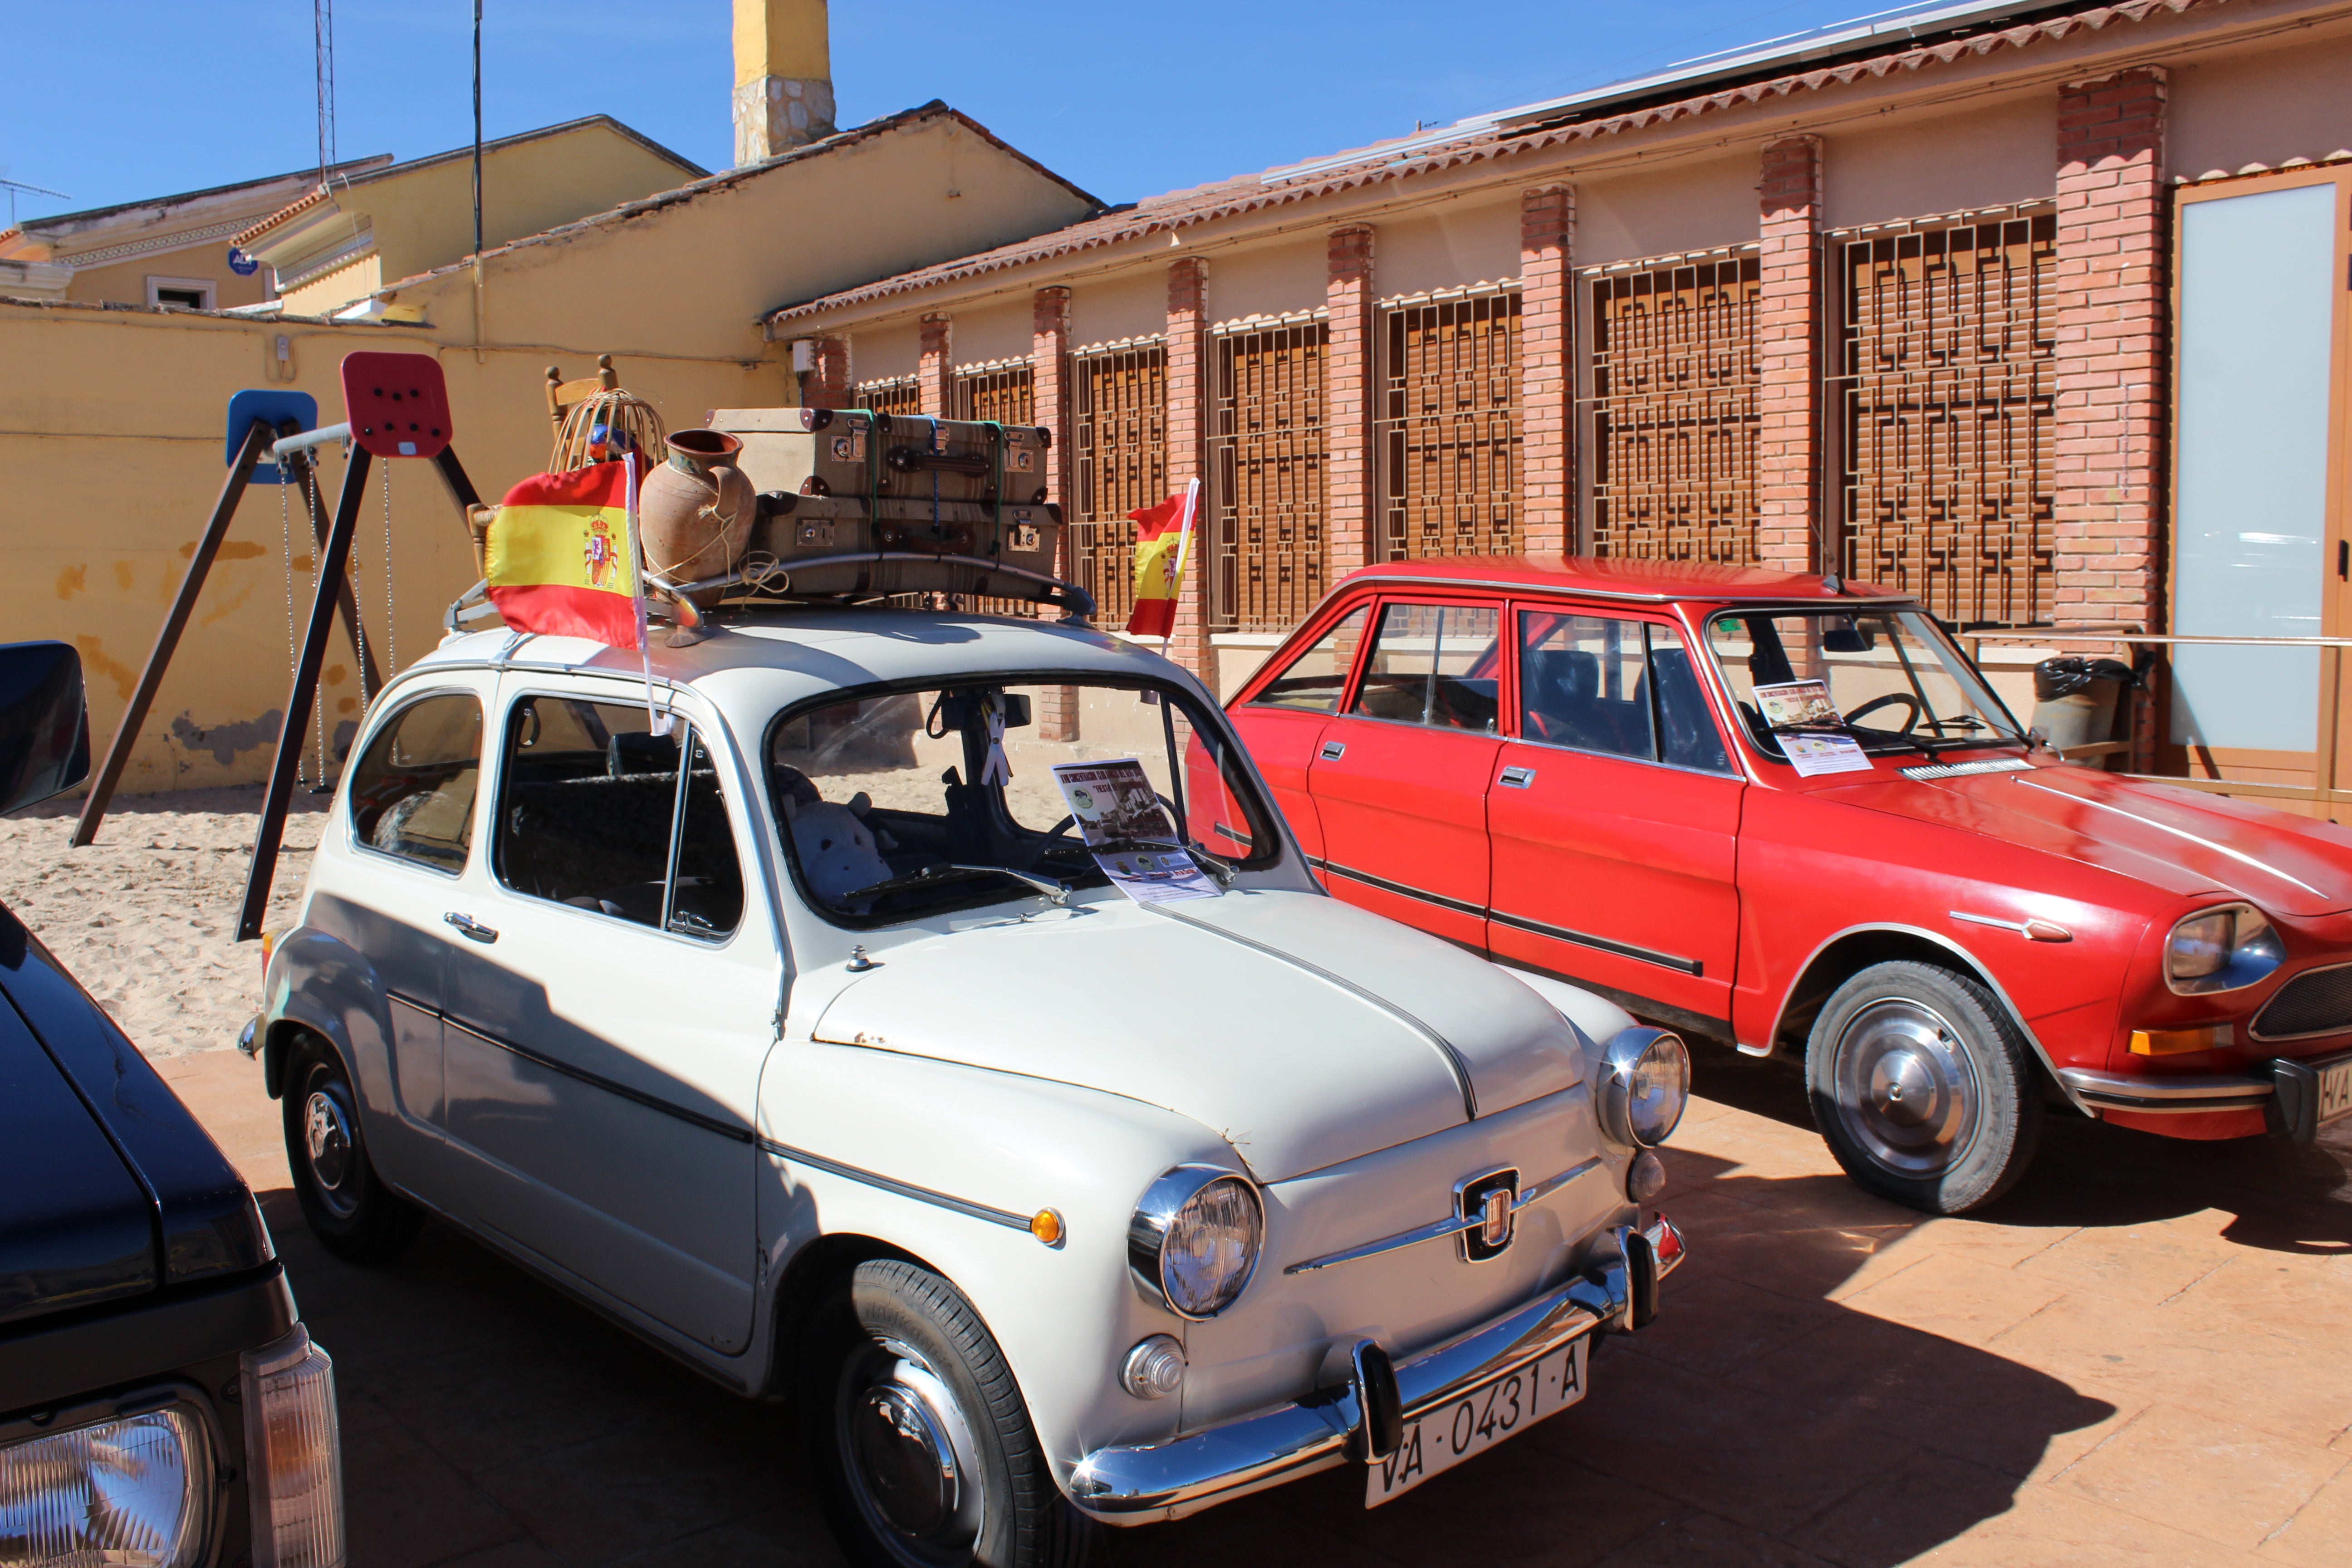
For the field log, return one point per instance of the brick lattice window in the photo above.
(1118, 437)
(1004, 392)
(1672, 409)
(1948, 428)
(893, 395)
(1267, 504)
(1448, 427)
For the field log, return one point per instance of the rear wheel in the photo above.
(924, 1453)
(1923, 1087)
(350, 1210)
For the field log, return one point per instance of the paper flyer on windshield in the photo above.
(1130, 832)
(1798, 705)
(1810, 754)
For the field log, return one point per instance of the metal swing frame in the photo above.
(333, 595)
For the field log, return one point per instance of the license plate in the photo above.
(2334, 1093)
(1443, 1437)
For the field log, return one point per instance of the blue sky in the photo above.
(112, 100)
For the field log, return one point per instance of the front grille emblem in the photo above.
(1485, 1205)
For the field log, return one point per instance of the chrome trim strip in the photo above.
(2122, 1091)
(1167, 1481)
(1601, 943)
(2254, 1028)
(708, 1123)
(1444, 1228)
(2242, 859)
(1459, 906)
(902, 1189)
(1445, 1047)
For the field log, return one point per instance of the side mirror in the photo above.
(44, 725)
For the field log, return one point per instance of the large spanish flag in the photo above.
(1160, 535)
(562, 561)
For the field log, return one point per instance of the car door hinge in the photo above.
(776, 1020)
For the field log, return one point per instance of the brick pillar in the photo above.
(827, 384)
(1547, 373)
(1188, 424)
(1788, 353)
(1049, 380)
(2109, 298)
(1350, 465)
(932, 376)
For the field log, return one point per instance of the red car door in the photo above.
(1615, 818)
(1283, 724)
(1400, 778)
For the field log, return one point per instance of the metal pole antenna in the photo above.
(478, 127)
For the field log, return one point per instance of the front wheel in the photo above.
(924, 1452)
(1923, 1087)
(349, 1209)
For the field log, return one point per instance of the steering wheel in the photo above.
(1062, 827)
(1876, 703)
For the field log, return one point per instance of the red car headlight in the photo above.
(2223, 949)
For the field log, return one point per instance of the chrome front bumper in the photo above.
(2288, 1093)
(1250, 1453)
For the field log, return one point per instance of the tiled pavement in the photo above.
(2139, 1357)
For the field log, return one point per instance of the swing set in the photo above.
(395, 406)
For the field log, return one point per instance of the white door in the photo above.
(603, 1048)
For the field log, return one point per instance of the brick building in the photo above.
(1912, 299)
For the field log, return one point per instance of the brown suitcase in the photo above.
(888, 457)
(827, 545)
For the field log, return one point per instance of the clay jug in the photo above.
(696, 511)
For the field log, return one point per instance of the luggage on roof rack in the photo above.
(876, 457)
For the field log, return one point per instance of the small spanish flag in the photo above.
(1161, 533)
(560, 559)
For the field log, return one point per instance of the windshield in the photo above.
(1891, 678)
(893, 805)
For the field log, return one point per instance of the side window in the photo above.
(707, 896)
(1434, 665)
(412, 790)
(590, 815)
(1621, 688)
(1314, 680)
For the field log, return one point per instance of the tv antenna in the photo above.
(16, 185)
(322, 45)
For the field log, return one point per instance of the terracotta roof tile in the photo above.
(1252, 193)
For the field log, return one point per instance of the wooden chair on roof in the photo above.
(562, 395)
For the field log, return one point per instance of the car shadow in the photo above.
(2285, 1198)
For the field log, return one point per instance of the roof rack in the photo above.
(771, 583)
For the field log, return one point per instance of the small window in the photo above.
(1620, 687)
(412, 791)
(1434, 665)
(1314, 678)
(180, 293)
(592, 814)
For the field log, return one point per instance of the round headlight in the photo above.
(1194, 1240)
(1645, 1084)
(2223, 949)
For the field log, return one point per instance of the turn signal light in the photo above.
(2180, 1042)
(1046, 1225)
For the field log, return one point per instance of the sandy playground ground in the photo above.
(145, 917)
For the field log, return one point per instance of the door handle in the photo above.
(471, 927)
(1332, 750)
(1518, 778)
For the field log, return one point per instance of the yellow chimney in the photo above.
(784, 77)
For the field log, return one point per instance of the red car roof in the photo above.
(1623, 578)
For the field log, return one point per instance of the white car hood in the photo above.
(1304, 1031)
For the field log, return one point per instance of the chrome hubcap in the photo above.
(910, 1456)
(326, 1139)
(1905, 1091)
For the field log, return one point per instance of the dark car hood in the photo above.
(108, 1187)
(76, 1227)
(2175, 839)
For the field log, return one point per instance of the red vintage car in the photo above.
(1790, 814)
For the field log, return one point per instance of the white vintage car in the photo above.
(775, 1009)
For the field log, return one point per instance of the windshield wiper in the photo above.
(1057, 892)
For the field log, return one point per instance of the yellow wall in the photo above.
(111, 431)
(126, 281)
(113, 456)
(324, 296)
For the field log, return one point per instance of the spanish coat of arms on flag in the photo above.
(560, 559)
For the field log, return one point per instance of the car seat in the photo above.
(1562, 697)
(1690, 738)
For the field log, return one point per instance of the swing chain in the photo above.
(286, 555)
(391, 651)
